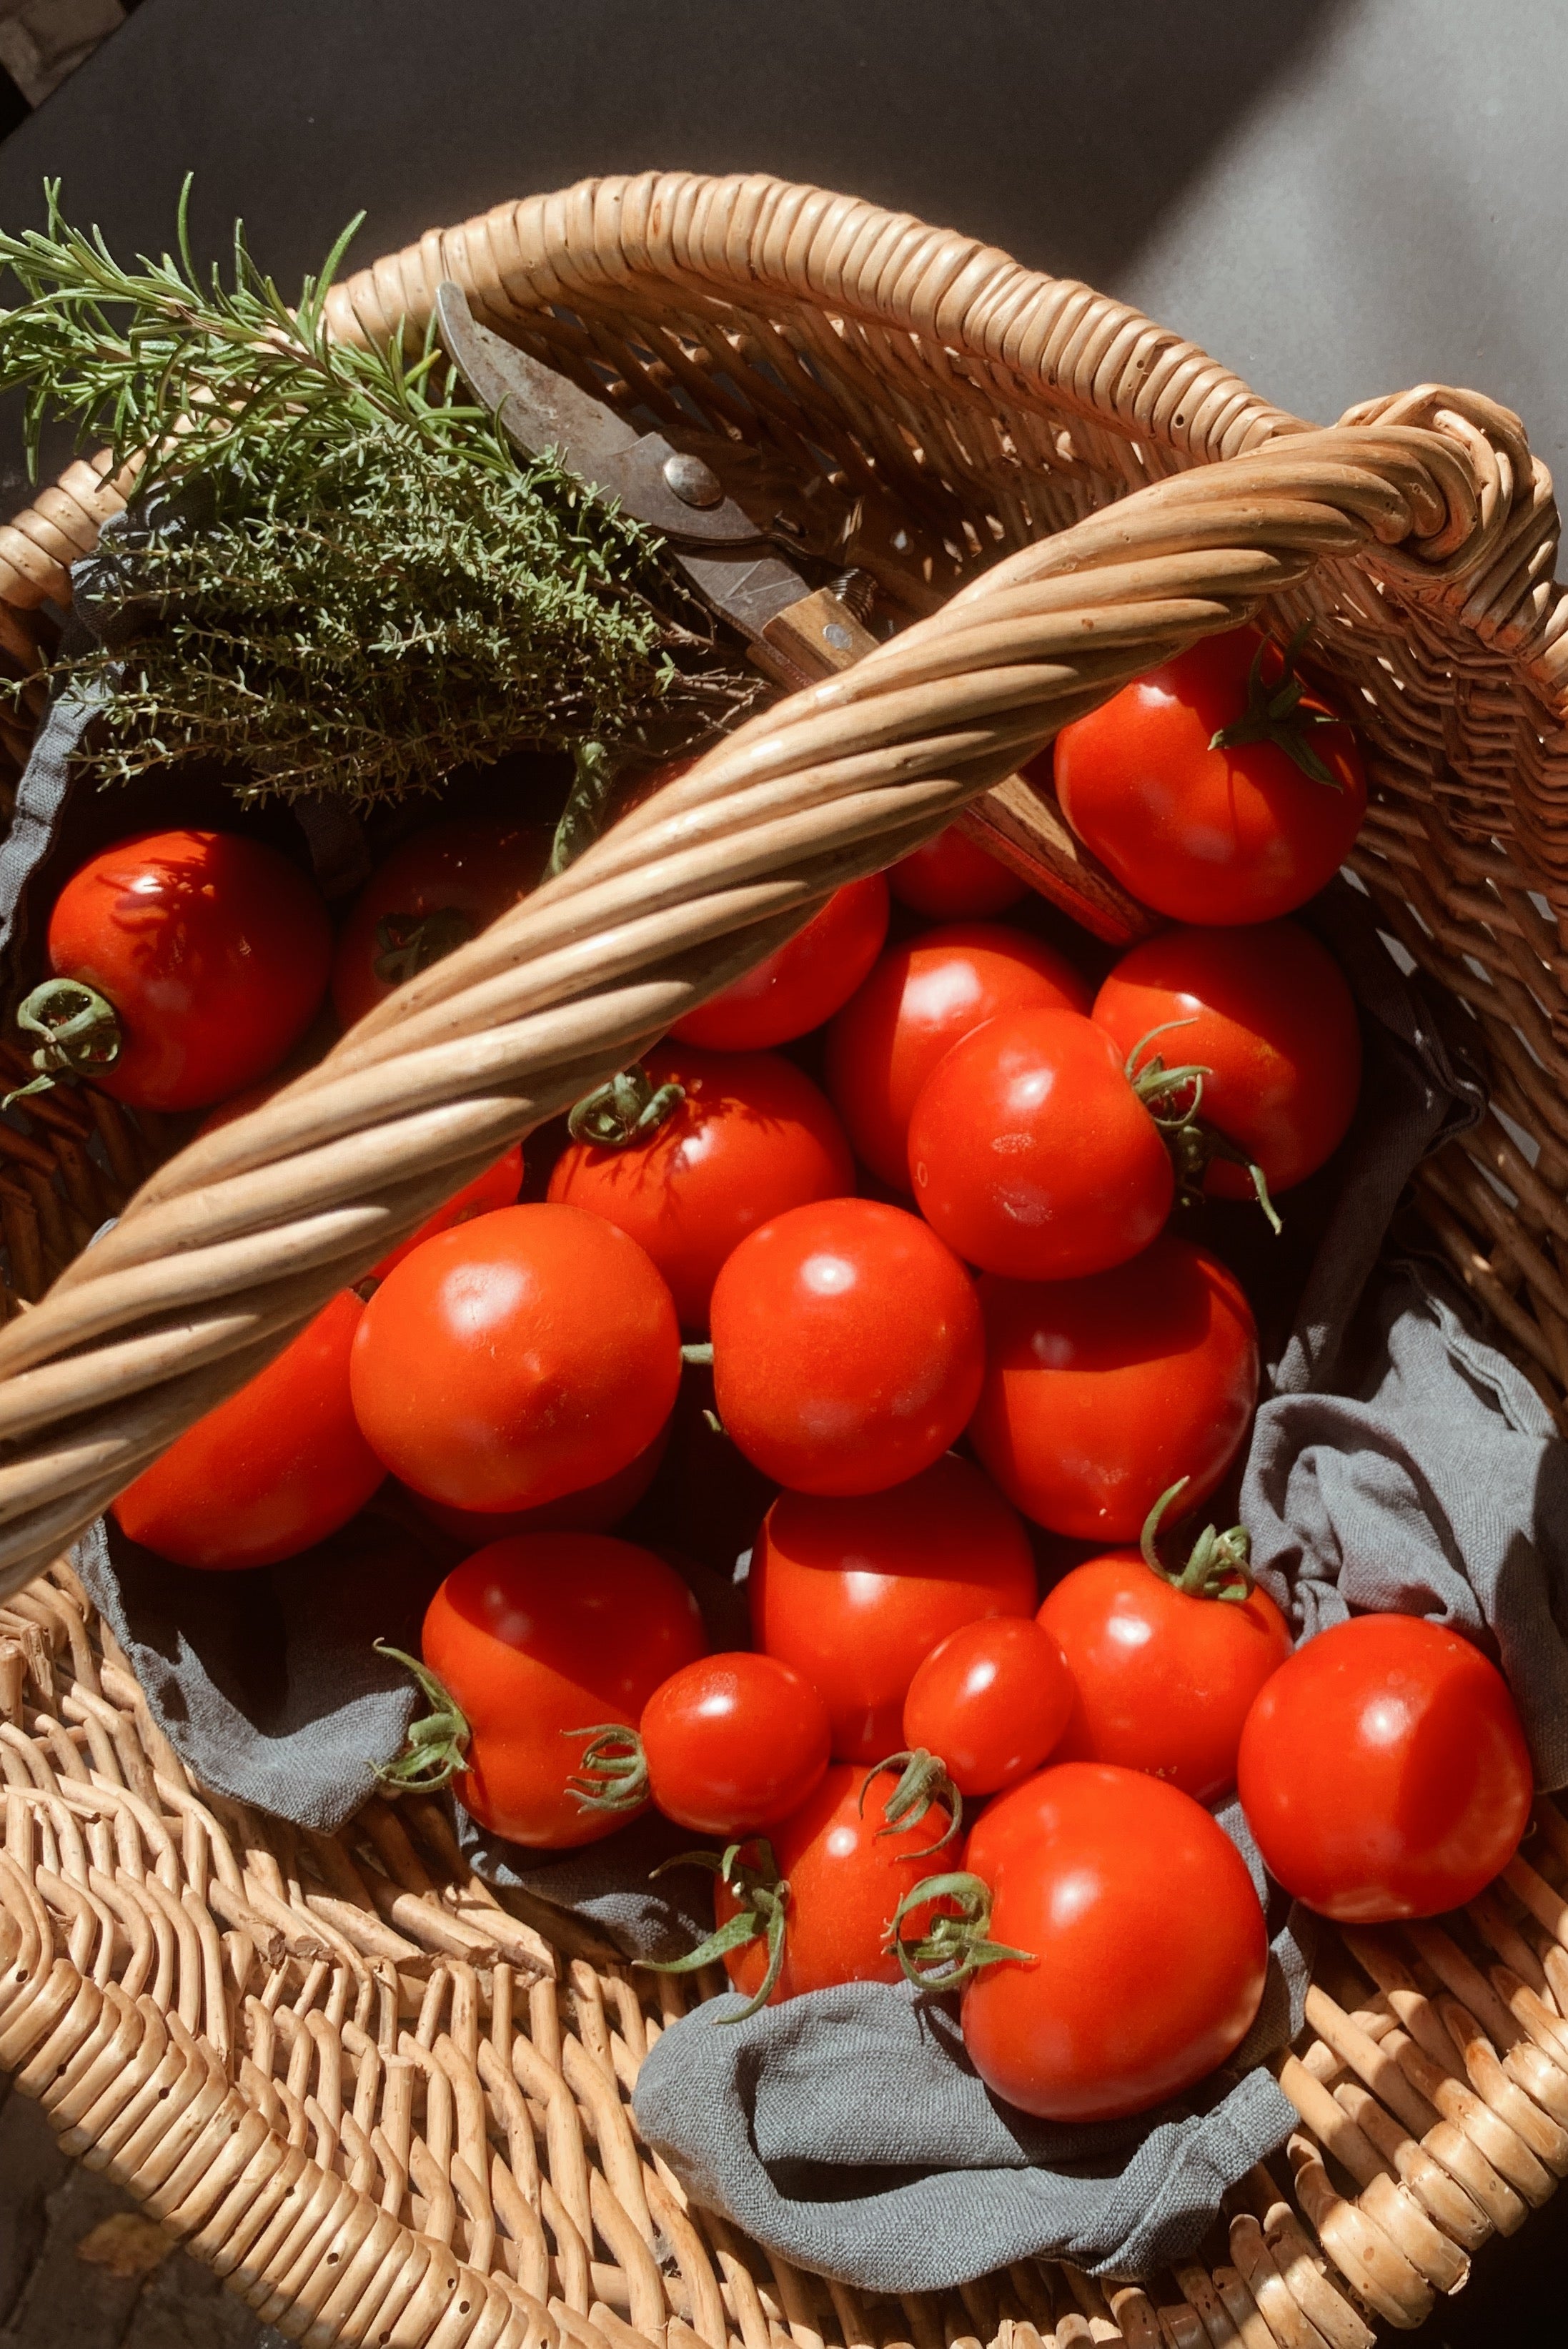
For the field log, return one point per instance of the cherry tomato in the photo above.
(212, 953)
(802, 982)
(537, 1639)
(991, 1702)
(1031, 1154)
(734, 1743)
(276, 1468)
(439, 889)
(918, 1002)
(846, 1878)
(595, 1509)
(1101, 1394)
(1266, 1012)
(1164, 1678)
(1384, 1773)
(1148, 1952)
(529, 1353)
(846, 1347)
(752, 1137)
(953, 879)
(1239, 833)
(856, 1593)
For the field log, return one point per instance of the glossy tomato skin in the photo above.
(1032, 1155)
(1099, 1393)
(846, 1347)
(992, 1700)
(592, 1509)
(1239, 834)
(802, 982)
(1266, 1011)
(1384, 1772)
(1164, 1679)
(529, 1353)
(214, 951)
(734, 1743)
(846, 1878)
(753, 1137)
(951, 879)
(276, 1468)
(538, 1637)
(455, 878)
(919, 1000)
(856, 1593)
(1147, 1951)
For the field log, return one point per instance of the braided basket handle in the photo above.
(230, 1247)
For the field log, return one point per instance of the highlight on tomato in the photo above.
(274, 1470)
(1219, 788)
(186, 965)
(1101, 1393)
(920, 1000)
(733, 1744)
(990, 1702)
(846, 1347)
(800, 983)
(695, 1150)
(441, 888)
(954, 879)
(1384, 1772)
(855, 1593)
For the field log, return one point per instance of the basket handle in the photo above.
(229, 1248)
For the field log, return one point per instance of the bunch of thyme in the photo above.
(336, 575)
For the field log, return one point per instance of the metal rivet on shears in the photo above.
(837, 634)
(695, 483)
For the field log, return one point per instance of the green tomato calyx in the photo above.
(1173, 1098)
(923, 1784)
(80, 1031)
(958, 1942)
(627, 1109)
(764, 1897)
(436, 1748)
(407, 944)
(1219, 1566)
(614, 1770)
(1274, 714)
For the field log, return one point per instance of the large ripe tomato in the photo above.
(210, 952)
(1164, 1677)
(846, 1347)
(1384, 1772)
(991, 1703)
(1031, 1154)
(439, 889)
(1233, 834)
(802, 982)
(1099, 1394)
(277, 1467)
(752, 1137)
(951, 879)
(529, 1353)
(919, 1000)
(1265, 1011)
(593, 1509)
(734, 1743)
(539, 1637)
(856, 1593)
(1147, 1947)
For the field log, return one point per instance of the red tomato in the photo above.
(1384, 1773)
(1147, 1951)
(916, 1005)
(1099, 1394)
(1031, 1154)
(953, 879)
(1267, 1014)
(846, 1878)
(801, 983)
(1232, 835)
(438, 890)
(734, 1743)
(856, 1593)
(531, 1353)
(539, 1637)
(846, 1347)
(1164, 1679)
(212, 952)
(752, 1137)
(595, 1509)
(277, 1467)
(990, 1702)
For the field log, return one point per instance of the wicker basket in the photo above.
(386, 2108)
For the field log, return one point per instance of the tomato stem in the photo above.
(407, 944)
(1219, 1566)
(1274, 714)
(1193, 1140)
(764, 1896)
(614, 1772)
(435, 1749)
(924, 1784)
(958, 1942)
(80, 1029)
(625, 1110)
